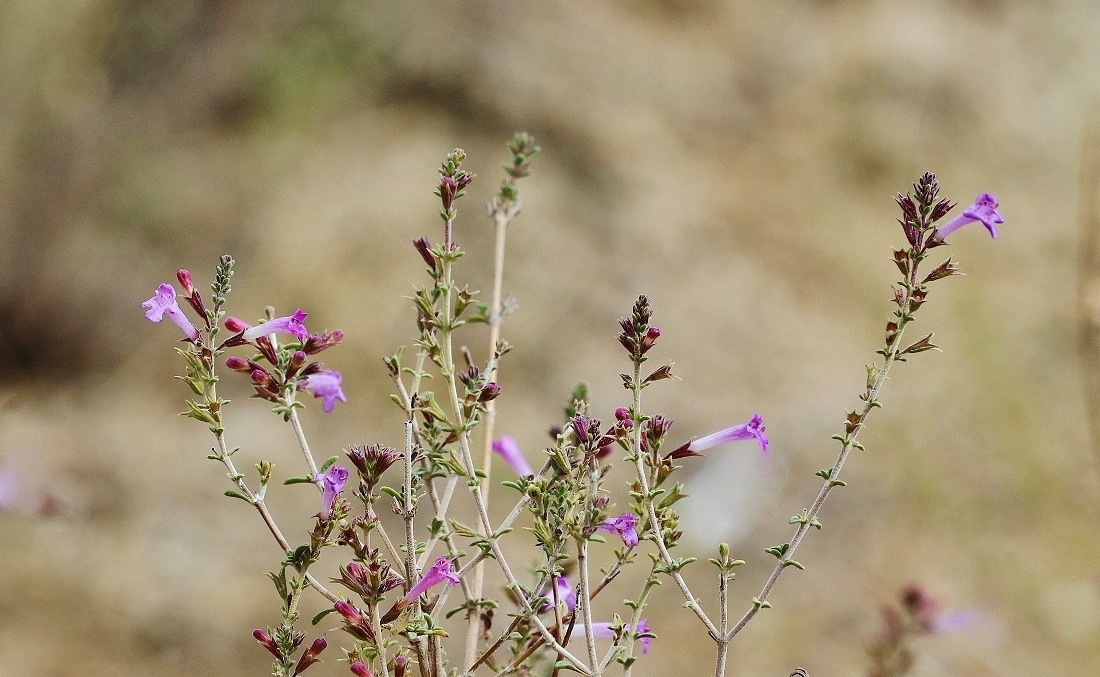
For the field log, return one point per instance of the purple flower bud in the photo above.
(331, 483)
(424, 248)
(509, 450)
(311, 655)
(325, 385)
(489, 393)
(290, 324)
(984, 209)
(355, 624)
(360, 670)
(164, 303)
(265, 640)
(236, 324)
(623, 525)
(185, 281)
(400, 663)
(238, 364)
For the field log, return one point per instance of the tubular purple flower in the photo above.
(623, 525)
(605, 630)
(440, 571)
(291, 324)
(331, 483)
(566, 594)
(327, 385)
(984, 209)
(753, 430)
(164, 303)
(509, 450)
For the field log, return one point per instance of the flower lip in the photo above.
(162, 303)
(623, 525)
(325, 384)
(331, 483)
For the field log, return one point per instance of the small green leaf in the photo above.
(233, 493)
(318, 617)
(329, 462)
(298, 480)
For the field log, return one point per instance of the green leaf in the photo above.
(298, 480)
(318, 617)
(233, 493)
(329, 462)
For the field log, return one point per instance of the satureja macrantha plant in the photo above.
(393, 596)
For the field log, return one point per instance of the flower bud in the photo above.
(311, 655)
(238, 364)
(489, 392)
(265, 640)
(400, 663)
(360, 670)
(236, 325)
(185, 281)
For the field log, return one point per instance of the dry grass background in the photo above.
(733, 160)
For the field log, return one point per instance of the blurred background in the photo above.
(734, 161)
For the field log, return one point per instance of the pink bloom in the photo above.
(984, 209)
(509, 450)
(326, 384)
(440, 571)
(164, 303)
(331, 483)
(291, 324)
(623, 525)
(605, 630)
(360, 670)
(753, 430)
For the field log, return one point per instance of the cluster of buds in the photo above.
(370, 579)
(637, 336)
(453, 182)
(371, 461)
(287, 367)
(284, 644)
(477, 389)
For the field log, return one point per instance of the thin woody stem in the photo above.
(468, 463)
(870, 399)
(690, 600)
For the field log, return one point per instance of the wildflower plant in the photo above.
(410, 595)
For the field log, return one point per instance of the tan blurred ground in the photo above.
(733, 160)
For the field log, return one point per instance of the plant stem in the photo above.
(643, 481)
(301, 436)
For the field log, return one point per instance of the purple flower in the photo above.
(440, 571)
(291, 324)
(956, 621)
(984, 209)
(623, 525)
(565, 594)
(164, 303)
(331, 483)
(753, 430)
(509, 450)
(326, 384)
(605, 630)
